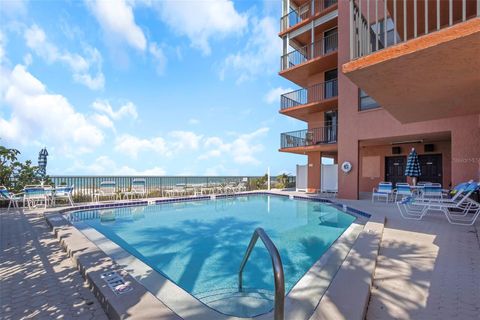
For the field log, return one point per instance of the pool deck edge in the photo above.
(92, 262)
(349, 293)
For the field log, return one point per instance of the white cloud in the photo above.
(103, 165)
(27, 60)
(177, 142)
(131, 146)
(3, 43)
(261, 54)
(242, 149)
(14, 8)
(103, 121)
(202, 20)
(274, 94)
(117, 20)
(82, 67)
(128, 109)
(159, 57)
(37, 116)
(193, 121)
(184, 140)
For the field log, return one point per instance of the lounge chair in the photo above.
(12, 198)
(63, 193)
(462, 190)
(455, 211)
(384, 189)
(138, 188)
(432, 190)
(107, 189)
(402, 189)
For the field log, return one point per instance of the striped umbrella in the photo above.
(413, 166)
(42, 163)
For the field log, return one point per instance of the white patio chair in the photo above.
(138, 188)
(384, 189)
(107, 189)
(63, 193)
(402, 189)
(12, 198)
(34, 196)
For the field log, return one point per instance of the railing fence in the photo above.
(316, 49)
(375, 25)
(85, 186)
(317, 92)
(308, 137)
(303, 12)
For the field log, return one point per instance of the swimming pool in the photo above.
(199, 245)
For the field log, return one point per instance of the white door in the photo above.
(329, 178)
(302, 176)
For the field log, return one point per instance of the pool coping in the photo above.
(80, 248)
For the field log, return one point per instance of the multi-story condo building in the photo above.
(378, 77)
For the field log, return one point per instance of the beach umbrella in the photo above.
(413, 166)
(42, 163)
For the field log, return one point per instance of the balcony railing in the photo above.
(309, 137)
(303, 12)
(316, 93)
(317, 49)
(375, 25)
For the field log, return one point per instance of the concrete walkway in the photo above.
(426, 269)
(37, 279)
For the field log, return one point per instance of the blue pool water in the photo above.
(199, 245)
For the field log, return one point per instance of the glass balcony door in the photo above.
(330, 85)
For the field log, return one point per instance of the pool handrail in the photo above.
(277, 265)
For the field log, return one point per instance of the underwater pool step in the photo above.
(248, 303)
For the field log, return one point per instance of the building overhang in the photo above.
(329, 147)
(431, 77)
(300, 74)
(304, 111)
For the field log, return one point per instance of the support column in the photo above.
(466, 153)
(314, 171)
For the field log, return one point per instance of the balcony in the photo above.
(300, 104)
(310, 140)
(303, 12)
(426, 51)
(318, 56)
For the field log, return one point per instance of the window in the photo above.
(366, 102)
(378, 28)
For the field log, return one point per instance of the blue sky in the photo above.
(145, 87)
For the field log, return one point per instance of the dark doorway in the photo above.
(431, 168)
(395, 169)
(330, 85)
(331, 121)
(330, 41)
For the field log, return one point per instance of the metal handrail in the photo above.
(312, 136)
(317, 92)
(310, 51)
(279, 278)
(304, 12)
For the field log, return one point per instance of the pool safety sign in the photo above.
(116, 283)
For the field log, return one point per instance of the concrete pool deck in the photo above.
(425, 269)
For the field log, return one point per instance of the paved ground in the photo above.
(37, 279)
(426, 269)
